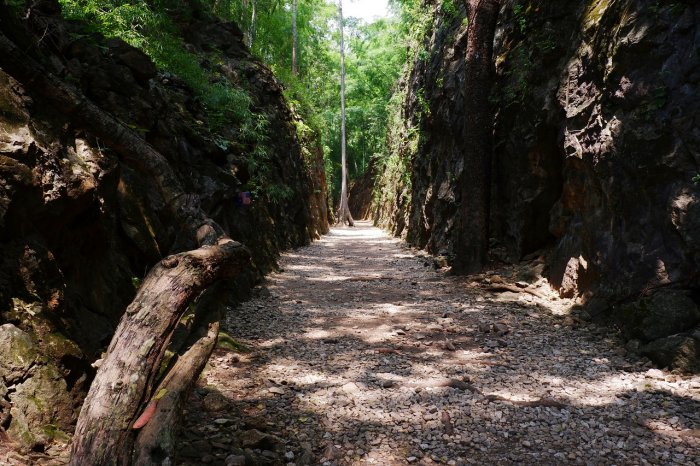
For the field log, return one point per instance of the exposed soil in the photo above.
(363, 352)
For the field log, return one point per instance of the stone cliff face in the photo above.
(596, 136)
(79, 228)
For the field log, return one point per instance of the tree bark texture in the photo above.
(125, 380)
(472, 237)
(156, 440)
(344, 215)
(124, 384)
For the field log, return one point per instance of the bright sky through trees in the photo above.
(368, 10)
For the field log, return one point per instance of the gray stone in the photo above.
(633, 346)
(253, 438)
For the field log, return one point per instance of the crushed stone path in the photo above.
(361, 352)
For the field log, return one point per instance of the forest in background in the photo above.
(377, 54)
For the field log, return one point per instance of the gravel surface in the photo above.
(362, 352)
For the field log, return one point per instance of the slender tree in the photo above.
(253, 18)
(294, 38)
(472, 236)
(344, 215)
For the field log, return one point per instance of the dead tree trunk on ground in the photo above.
(472, 237)
(125, 382)
(154, 441)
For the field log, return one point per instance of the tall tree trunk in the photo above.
(294, 38)
(125, 382)
(253, 18)
(344, 215)
(472, 238)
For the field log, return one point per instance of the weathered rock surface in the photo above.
(596, 110)
(79, 227)
(35, 403)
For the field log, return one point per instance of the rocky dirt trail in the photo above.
(362, 353)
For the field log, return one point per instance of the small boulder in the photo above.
(140, 65)
(665, 313)
(675, 352)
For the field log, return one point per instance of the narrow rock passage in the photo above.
(362, 354)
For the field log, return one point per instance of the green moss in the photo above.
(519, 68)
(53, 433)
(167, 358)
(225, 341)
(595, 12)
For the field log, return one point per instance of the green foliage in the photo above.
(520, 11)
(16, 6)
(149, 27)
(696, 179)
(375, 56)
(518, 74)
(449, 8)
(654, 102)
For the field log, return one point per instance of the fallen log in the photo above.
(156, 440)
(125, 381)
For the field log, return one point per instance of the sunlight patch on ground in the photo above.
(316, 334)
(272, 343)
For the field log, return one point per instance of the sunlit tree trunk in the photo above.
(294, 38)
(472, 239)
(344, 215)
(253, 19)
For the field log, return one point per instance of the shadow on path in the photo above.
(362, 355)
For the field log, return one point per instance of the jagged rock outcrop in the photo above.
(79, 227)
(596, 110)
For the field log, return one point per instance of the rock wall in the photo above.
(79, 228)
(596, 136)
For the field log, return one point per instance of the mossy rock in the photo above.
(42, 408)
(225, 341)
(18, 351)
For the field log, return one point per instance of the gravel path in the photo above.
(363, 353)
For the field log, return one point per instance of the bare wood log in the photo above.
(103, 434)
(156, 442)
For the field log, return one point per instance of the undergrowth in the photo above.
(150, 28)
